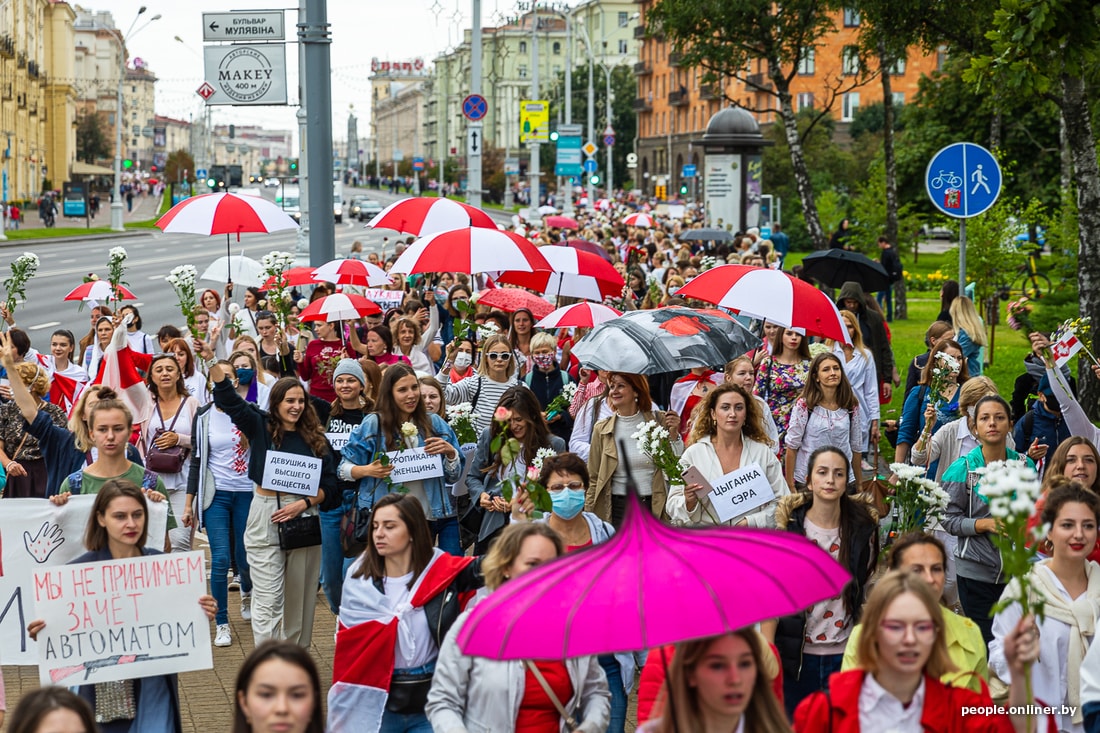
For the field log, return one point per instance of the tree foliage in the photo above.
(92, 142)
(180, 166)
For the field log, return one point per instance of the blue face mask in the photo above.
(567, 503)
(245, 376)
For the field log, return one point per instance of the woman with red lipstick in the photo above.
(1069, 585)
(977, 559)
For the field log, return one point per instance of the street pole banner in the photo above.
(122, 619)
(35, 534)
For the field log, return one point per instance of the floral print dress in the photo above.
(780, 385)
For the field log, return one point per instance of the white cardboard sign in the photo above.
(122, 619)
(740, 491)
(338, 440)
(384, 299)
(291, 473)
(414, 465)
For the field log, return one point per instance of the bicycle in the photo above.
(1033, 282)
(952, 180)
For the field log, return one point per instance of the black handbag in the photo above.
(409, 693)
(301, 531)
(166, 460)
(354, 531)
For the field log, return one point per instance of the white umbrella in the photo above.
(547, 210)
(235, 268)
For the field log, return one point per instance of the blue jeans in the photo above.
(226, 505)
(445, 533)
(614, 674)
(814, 677)
(333, 563)
(397, 723)
(886, 301)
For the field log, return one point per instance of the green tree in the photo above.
(92, 143)
(726, 39)
(180, 166)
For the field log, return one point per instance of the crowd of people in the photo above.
(912, 643)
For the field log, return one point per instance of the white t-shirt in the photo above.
(227, 460)
(415, 620)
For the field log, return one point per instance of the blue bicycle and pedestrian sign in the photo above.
(963, 180)
(474, 107)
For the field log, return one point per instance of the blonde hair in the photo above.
(494, 340)
(965, 316)
(973, 390)
(508, 546)
(889, 587)
(34, 377)
(77, 426)
(857, 338)
(543, 340)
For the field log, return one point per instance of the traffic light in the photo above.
(554, 136)
(660, 192)
(211, 182)
(127, 164)
(232, 131)
(293, 165)
(595, 179)
(683, 189)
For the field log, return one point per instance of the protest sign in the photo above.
(291, 473)
(122, 619)
(414, 464)
(740, 491)
(338, 440)
(384, 299)
(35, 534)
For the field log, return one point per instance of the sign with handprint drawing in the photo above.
(35, 534)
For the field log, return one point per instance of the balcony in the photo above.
(21, 61)
(7, 47)
(710, 91)
(758, 82)
(641, 104)
(642, 68)
(6, 90)
(34, 109)
(678, 99)
(639, 31)
(674, 59)
(32, 69)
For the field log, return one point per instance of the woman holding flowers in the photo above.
(782, 374)
(401, 422)
(1068, 586)
(318, 363)
(728, 435)
(940, 381)
(827, 414)
(633, 414)
(978, 564)
(515, 444)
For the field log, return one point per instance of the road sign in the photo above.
(418, 163)
(249, 74)
(591, 166)
(589, 149)
(765, 232)
(568, 161)
(609, 130)
(248, 25)
(963, 180)
(511, 166)
(474, 141)
(631, 160)
(566, 130)
(474, 107)
(534, 121)
(200, 173)
(689, 171)
(609, 140)
(205, 90)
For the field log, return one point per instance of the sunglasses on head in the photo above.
(499, 355)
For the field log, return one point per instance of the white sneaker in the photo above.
(246, 606)
(234, 582)
(223, 637)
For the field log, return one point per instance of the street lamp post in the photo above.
(116, 202)
(591, 105)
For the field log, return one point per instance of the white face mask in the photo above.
(463, 360)
(673, 290)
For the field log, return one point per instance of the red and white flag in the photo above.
(367, 634)
(120, 369)
(1064, 349)
(65, 391)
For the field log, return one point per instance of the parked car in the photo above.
(271, 183)
(368, 209)
(936, 231)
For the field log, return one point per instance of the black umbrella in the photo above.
(834, 267)
(706, 235)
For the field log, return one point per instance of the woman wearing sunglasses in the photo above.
(495, 374)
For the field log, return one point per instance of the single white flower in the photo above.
(408, 429)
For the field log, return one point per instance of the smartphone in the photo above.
(693, 476)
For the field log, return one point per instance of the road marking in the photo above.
(161, 249)
(40, 326)
(68, 261)
(156, 277)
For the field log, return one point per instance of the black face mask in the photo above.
(1050, 402)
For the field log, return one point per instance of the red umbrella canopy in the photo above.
(352, 272)
(560, 222)
(470, 250)
(98, 290)
(293, 277)
(511, 300)
(225, 213)
(579, 315)
(422, 216)
(639, 220)
(573, 273)
(339, 307)
(770, 294)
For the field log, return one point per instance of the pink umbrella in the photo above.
(648, 586)
(770, 294)
(511, 300)
(579, 315)
(560, 222)
(639, 220)
(352, 272)
(98, 290)
(470, 250)
(339, 307)
(572, 273)
(422, 216)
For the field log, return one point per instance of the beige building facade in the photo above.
(23, 113)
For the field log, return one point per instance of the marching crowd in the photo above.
(506, 411)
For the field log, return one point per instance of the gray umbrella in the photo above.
(664, 340)
(706, 235)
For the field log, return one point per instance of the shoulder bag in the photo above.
(570, 722)
(301, 531)
(166, 460)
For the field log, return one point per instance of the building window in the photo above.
(623, 47)
(806, 62)
(941, 57)
(850, 61)
(557, 48)
(522, 71)
(851, 18)
(623, 20)
(898, 67)
(133, 89)
(849, 106)
(899, 98)
(805, 101)
(523, 46)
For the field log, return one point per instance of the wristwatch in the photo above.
(309, 503)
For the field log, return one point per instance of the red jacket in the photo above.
(838, 711)
(652, 680)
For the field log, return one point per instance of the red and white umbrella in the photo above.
(293, 277)
(352, 272)
(639, 220)
(99, 290)
(572, 273)
(422, 216)
(579, 315)
(511, 300)
(770, 294)
(470, 250)
(339, 307)
(560, 222)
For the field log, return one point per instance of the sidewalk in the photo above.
(145, 207)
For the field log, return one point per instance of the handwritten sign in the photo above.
(384, 299)
(292, 473)
(414, 465)
(35, 534)
(739, 492)
(469, 450)
(338, 440)
(122, 619)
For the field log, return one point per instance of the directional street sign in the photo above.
(591, 166)
(245, 74)
(474, 141)
(568, 161)
(248, 25)
(418, 163)
(689, 171)
(589, 149)
(474, 107)
(963, 180)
